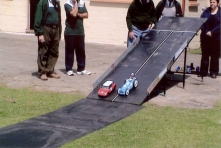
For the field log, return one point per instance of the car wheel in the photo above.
(135, 83)
(127, 92)
(118, 91)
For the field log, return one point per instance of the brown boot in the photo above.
(44, 77)
(54, 75)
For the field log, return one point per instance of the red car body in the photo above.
(106, 88)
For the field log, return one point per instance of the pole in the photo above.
(183, 7)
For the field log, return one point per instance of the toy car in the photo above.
(106, 88)
(130, 83)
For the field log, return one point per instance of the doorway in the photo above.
(33, 6)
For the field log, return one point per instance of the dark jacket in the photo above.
(205, 28)
(160, 6)
(41, 15)
(140, 15)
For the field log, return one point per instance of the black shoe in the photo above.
(199, 75)
(213, 76)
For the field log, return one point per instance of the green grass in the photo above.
(18, 105)
(159, 127)
(151, 127)
(195, 51)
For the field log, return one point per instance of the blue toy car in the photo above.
(130, 83)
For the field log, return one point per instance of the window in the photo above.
(193, 3)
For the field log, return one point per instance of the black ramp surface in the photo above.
(131, 63)
(163, 44)
(189, 24)
(61, 126)
(156, 67)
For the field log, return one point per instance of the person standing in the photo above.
(210, 40)
(169, 8)
(74, 36)
(141, 16)
(47, 26)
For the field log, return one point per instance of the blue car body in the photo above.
(128, 85)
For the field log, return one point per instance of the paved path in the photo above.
(18, 69)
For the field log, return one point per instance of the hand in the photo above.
(131, 35)
(151, 26)
(209, 34)
(41, 38)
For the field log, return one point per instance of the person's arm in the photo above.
(38, 27)
(38, 20)
(153, 19)
(128, 18)
(159, 10)
(216, 30)
(83, 15)
(129, 23)
(179, 12)
(203, 27)
(74, 11)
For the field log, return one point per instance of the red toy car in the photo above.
(106, 88)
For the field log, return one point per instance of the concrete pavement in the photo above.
(18, 69)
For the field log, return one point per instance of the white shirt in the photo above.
(169, 11)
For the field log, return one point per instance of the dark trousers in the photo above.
(48, 52)
(74, 44)
(210, 57)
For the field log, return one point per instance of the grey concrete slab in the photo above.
(18, 65)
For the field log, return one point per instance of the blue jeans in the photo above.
(137, 33)
(74, 44)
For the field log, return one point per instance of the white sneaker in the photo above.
(70, 73)
(84, 72)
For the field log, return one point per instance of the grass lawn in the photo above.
(159, 127)
(151, 127)
(195, 51)
(18, 105)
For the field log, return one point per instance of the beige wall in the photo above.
(106, 23)
(13, 15)
(196, 11)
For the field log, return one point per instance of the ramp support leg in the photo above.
(165, 81)
(184, 71)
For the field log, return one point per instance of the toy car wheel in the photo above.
(127, 92)
(118, 91)
(135, 83)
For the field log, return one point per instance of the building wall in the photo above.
(106, 23)
(13, 15)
